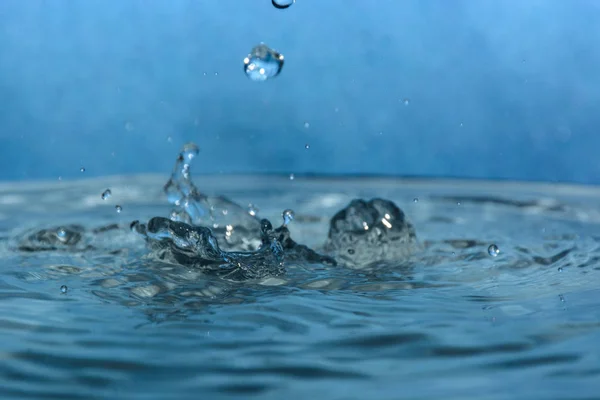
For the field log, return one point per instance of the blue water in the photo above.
(448, 321)
(497, 89)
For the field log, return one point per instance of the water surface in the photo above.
(449, 320)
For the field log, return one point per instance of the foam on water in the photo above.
(181, 304)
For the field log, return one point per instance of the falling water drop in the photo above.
(118, 208)
(493, 250)
(416, 200)
(307, 146)
(63, 289)
(263, 63)
(106, 194)
(288, 216)
(82, 169)
(282, 4)
(560, 269)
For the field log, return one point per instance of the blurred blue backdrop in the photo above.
(495, 89)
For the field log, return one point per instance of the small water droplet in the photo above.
(63, 289)
(189, 151)
(282, 4)
(263, 63)
(406, 102)
(560, 269)
(562, 298)
(82, 169)
(307, 125)
(458, 203)
(461, 124)
(288, 216)
(416, 200)
(307, 146)
(106, 194)
(252, 209)
(292, 177)
(118, 208)
(61, 234)
(493, 250)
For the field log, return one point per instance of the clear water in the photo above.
(449, 320)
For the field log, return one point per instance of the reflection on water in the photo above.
(448, 319)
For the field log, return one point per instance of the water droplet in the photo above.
(106, 194)
(458, 203)
(282, 4)
(416, 200)
(288, 216)
(351, 251)
(307, 146)
(560, 269)
(61, 234)
(82, 169)
(461, 124)
(292, 177)
(562, 298)
(252, 209)
(307, 125)
(493, 250)
(406, 102)
(118, 208)
(189, 151)
(263, 63)
(63, 289)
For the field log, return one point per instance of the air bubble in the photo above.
(493, 250)
(106, 194)
(263, 63)
(63, 289)
(282, 4)
(118, 208)
(288, 216)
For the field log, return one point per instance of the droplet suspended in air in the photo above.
(307, 146)
(288, 216)
(292, 177)
(118, 208)
(493, 250)
(282, 4)
(63, 289)
(416, 200)
(82, 169)
(106, 194)
(263, 63)
(61, 234)
(189, 151)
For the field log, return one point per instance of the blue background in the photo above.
(498, 89)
